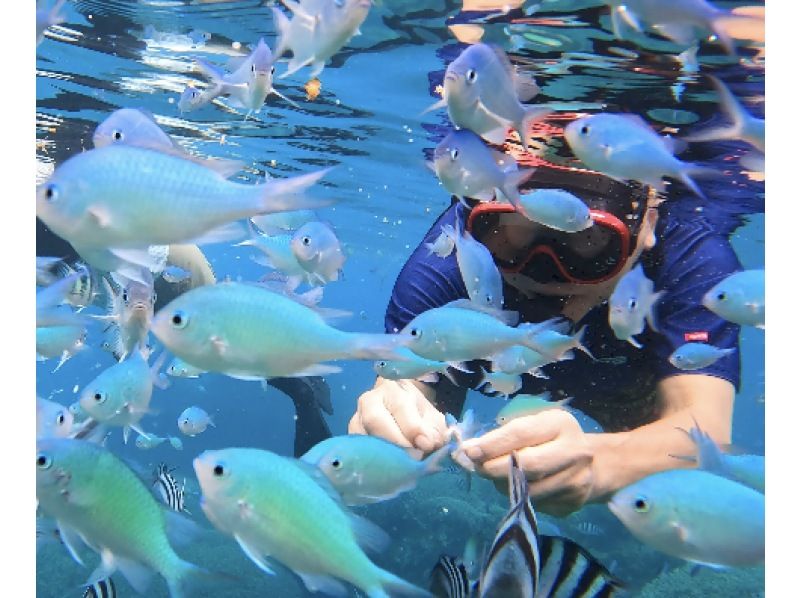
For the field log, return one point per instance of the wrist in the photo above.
(608, 465)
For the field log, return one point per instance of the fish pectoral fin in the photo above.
(753, 307)
(254, 555)
(634, 342)
(435, 106)
(680, 531)
(138, 575)
(219, 344)
(100, 214)
(71, 540)
(630, 18)
(322, 583)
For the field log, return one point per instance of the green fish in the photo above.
(274, 508)
(523, 405)
(95, 497)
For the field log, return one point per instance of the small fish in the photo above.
(624, 147)
(522, 360)
(443, 245)
(173, 495)
(483, 93)
(368, 469)
(246, 331)
(137, 128)
(194, 421)
(48, 304)
(631, 304)
(130, 310)
(557, 209)
(175, 274)
(695, 515)
(86, 286)
(44, 270)
(102, 588)
(278, 255)
(318, 30)
(449, 578)
(48, 17)
(478, 270)
(281, 223)
(60, 341)
(414, 367)
(587, 528)
(180, 369)
(467, 168)
(318, 251)
(553, 344)
(193, 98)
(148, 441)
(86, 489)
(739, 298)
(744, 126)
(524, 405)
(243, 490)
(118, 200)
(312, 89)
(52, 419)
(695, 356)
(504, 384)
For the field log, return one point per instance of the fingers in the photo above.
(405, 410)
(519, 433)
(375, 419)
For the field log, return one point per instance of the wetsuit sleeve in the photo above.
(694, 257)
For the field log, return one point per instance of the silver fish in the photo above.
(631, 304)
(318, 251)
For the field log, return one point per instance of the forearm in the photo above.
(620, 459)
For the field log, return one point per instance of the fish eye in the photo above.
(471, 76)
(416, 332)
(99, 397)
(721, 296)
(253, 68)
(584, 130)
(306, 241)
(125, 296)
(153, 299)
(631, 303)
(51, 193)
(117, 134)
(381, 364)
(336, 463)
(43, 461)
(185, 421)
(60, 418)
(454, 154)
(488, 299)
(641, 505)
(272, 70)
(219, 470)
(179, 319)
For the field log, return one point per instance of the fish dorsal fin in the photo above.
(517, 483)
(503, 59)
(525, 86)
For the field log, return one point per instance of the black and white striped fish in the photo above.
(103, 588)
(168, 489)
(523, 564)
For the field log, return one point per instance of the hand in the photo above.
(400, 413)
(552, 450)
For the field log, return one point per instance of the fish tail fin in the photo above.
(390, 585)
(433, 463)
(579, 343)
(376, 346)
(210, 72)
(689, 170)
(281, 22)
(185, 579)
(732, 108)
(532, 115)
(286, 195)
(176, 443)
(512, 182)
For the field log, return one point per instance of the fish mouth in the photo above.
(450, 76)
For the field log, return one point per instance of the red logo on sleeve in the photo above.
(696, 336)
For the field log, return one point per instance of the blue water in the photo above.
(367, 123)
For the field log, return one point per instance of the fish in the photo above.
(318, 252)
(312, 89)
(631, 304)
(194, 420)
(684, 21)
(524, 405)
(102, 588)
(414, 367)
(745, 469)
(483, 92)
(192, 98)
(48, 304)
(173, 495)
(180, 369)
(273, 507)
(367, 469)
(522, 360)
(278, 255)
(624, 147)
(148, 441)
(77, 411)
(100, 200)
(87, 489)
(318, 30)
(467, 168)
(557, 209)
(247, 331)
(478, 270)
(130, 310)
(86, 286)
(44, 270)
(175, 274)
(138, 128)
(447, 333)
(449, 578)
(553, 344)
(443, 245)
(522, 562)
(120, 395)
(499, 382)
(739, 298)
(48, 17)
(695, 356)
(53, 420)
(60, 341)
(744, 126)
(695, 515)
(281, 223)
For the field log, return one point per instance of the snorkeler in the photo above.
(311, 395)
(635, 394)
